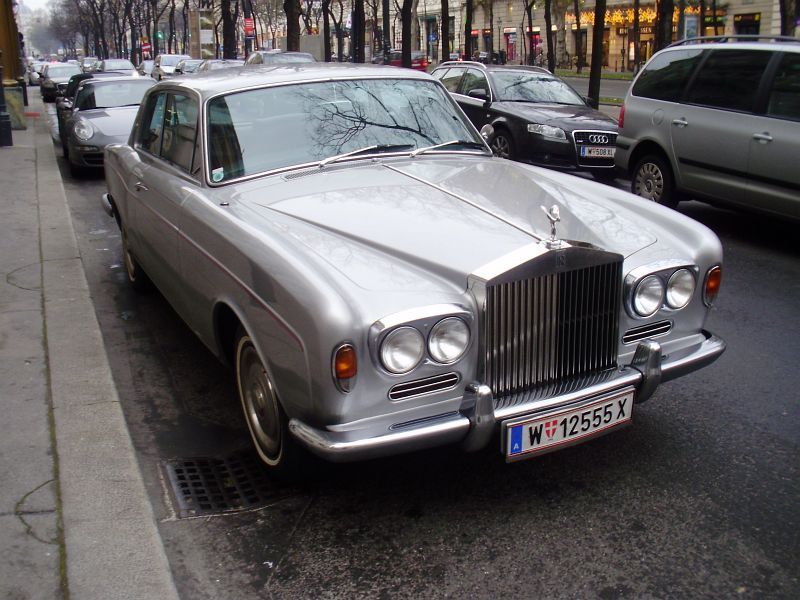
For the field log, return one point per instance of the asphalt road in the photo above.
(609, 88)
(698, 499)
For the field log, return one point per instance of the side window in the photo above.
(452, 79)
(152, 123)
(784, 97)
(666, 75)
(729, 79)
(180, 131)
(439, 73)
(85, 98)
(474, 80)
(255, 60)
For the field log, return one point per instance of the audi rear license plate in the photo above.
(526, 437)
(597, 152)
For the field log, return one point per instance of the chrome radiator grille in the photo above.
(552, 329)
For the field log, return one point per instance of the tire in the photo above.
(652, 179)
(266, 420)
(137, 278)
(502, 144)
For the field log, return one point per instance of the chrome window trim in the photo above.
(204, 114)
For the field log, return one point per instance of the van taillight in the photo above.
(622, 117)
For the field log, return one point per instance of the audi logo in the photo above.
(598, 139)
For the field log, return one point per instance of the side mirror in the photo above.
(487, 131)
(479, 93)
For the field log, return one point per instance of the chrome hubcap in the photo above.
(260, 403)
(501, 147)
(650, 182)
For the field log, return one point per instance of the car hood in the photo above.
(112, 122)
(569, 118)
(446, 215)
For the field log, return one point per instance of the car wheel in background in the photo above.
(652, 179)
(502, 144)
(268, 424)
(136, 276)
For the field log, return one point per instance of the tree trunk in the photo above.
(635, 36)
(578, 40)
(405, 13)
(664, 24)
(359, 24)
(681, 17)
(597, 52)
(326, 29)
(292, 10)
(444, 35)
(468, 49)
(548, 25)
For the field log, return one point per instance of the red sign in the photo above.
(249, 27)
(145, 46)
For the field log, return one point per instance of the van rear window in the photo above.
(665, 77)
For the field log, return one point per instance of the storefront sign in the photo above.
(747, 18)
(509, 30)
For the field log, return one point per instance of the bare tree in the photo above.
(578, 40)
(597, 52)
(292, 10)
(470, 10)
(445, 30)
(405, 12)
(548, 25)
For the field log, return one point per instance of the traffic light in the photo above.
(160, 35)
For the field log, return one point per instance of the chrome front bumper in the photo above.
(474, 424)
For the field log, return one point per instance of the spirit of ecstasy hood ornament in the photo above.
(554, 217)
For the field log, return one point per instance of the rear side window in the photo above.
(784, 96)
(729, 79)
(474, 80)
(153, 123)
(451, 79)
(666, 75)
(180, 130)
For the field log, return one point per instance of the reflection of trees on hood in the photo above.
(373, 112)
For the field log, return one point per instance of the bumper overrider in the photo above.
(477, 420)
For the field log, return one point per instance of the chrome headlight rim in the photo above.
(86, 129)
(434, 352)
(688, 294)
(641, 286)
(410, 334)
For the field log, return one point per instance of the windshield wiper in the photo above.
(375, 148)
(467, 143)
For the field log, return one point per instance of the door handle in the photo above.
(763, 138)
(140, 187)
(680, 122)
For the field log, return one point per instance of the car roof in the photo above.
(211, 83)
(490, 68)
(102, 80)
(739, 42)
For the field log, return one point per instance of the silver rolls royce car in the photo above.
(342, 236)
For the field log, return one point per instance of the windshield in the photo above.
(111, 65)
(171, 60)
(224, 64)
(111, 94)
(248, 132)
(525, 86)
(285, 58)
(62, 71)
(190, 66)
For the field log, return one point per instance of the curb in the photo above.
(113, 548)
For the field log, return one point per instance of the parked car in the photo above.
(419, 60)
(278, 57)
(102, 113)
(35, 72)
(164, 65)
(120, 66)
(719, 122)
(88, 63)
(536, 117)
(54, 78)
(214, 64)
(65, 102)
(383, 283)
(145, 68)
(188, 65)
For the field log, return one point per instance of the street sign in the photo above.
(249, 27)
(145, 46)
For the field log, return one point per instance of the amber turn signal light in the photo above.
(713, 281)
(344, 362)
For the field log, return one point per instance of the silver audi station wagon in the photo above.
(342, 236)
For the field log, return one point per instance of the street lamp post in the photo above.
(5, 119)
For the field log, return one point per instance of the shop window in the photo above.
(667, 75)
(729, 79)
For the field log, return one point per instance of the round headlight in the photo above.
(448, 340)
(402, 350)
(648, 296)
(83, 131)
(680, 288)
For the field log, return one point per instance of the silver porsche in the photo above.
(343, 238)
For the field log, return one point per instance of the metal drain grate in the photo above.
(209, 486)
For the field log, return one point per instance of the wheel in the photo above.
(604, 175)
(502, 144)
(265, 418)
(137, 278)
(652, 179)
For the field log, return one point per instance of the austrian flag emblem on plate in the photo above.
(550, 428)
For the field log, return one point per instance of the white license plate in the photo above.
(528, 437)
(595, 152)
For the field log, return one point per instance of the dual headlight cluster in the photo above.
(654, 291)
(403, 348)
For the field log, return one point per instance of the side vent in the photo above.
(644, 332)
(420, 387)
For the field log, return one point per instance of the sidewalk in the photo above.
(75, 520)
